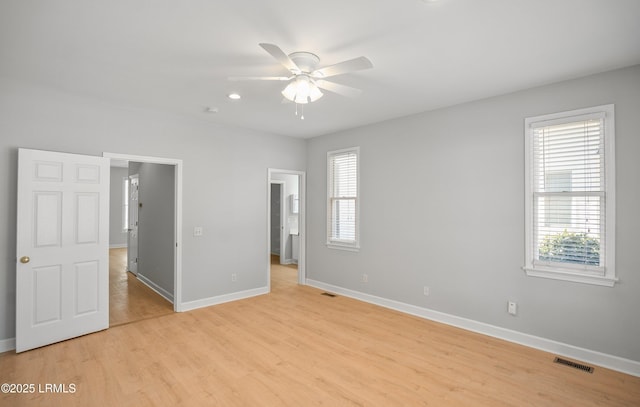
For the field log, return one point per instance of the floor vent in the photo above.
(574, 365)
(329, 295)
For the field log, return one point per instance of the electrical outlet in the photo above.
(234, 277)
(426, 290)
(365, 278)
(197, 231)
(512, 307)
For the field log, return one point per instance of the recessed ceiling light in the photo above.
(234, 96)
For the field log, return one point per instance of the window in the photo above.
(558, 207)
(570, 207)
(125, 204)
(343, 202)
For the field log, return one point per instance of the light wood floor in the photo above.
(282, 276)
(297, 347)
(129, 299)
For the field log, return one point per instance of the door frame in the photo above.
(177, 266)
(302, 233)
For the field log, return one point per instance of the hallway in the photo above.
(129, 299)
(283, 276)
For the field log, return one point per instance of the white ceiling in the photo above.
(175, 55)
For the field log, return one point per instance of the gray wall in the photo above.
(442, 205)
(224, 180)
(276, 217)
(156, 218)
(117, 237)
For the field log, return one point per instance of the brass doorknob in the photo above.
(25, 259)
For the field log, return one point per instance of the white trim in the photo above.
(337, 244)
(7, 345)
(302, 213)
(177, 276)
(608, 279)
(118, 246)
(568, 117)
(347, 248)
(568, 276)
(155, 287)
(623, 365)
(221, 299)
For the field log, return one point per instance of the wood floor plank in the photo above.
(296, 347)
(129, 299)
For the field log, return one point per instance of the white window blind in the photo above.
(342, 205)
(568, 194)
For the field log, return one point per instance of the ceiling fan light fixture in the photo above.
(302, 90)
(314, 93)
(290, 91)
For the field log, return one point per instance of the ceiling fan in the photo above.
(306, 79)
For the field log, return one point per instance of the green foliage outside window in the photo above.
(567, 247)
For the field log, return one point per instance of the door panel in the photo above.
(87, 286)
(88, 218)
(48, 219)
(62, 280)
(47, 282)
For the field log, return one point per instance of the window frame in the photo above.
(342, 244)
(568, 272)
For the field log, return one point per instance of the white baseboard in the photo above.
(7, 344)
(164, 293)
(118, 246)
(220, 299)
(623, 365)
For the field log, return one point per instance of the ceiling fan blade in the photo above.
(259, 78)
(280, 56)
(356, 64)
(343, 90)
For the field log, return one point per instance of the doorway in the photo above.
(137, 296)
(66, 290)
(174, 234)
(286, 231)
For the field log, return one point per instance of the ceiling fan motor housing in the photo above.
(306, 61)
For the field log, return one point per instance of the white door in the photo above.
(62, 272)
(132, 239)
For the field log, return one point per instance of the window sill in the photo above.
(572, 277)
(338, 246)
